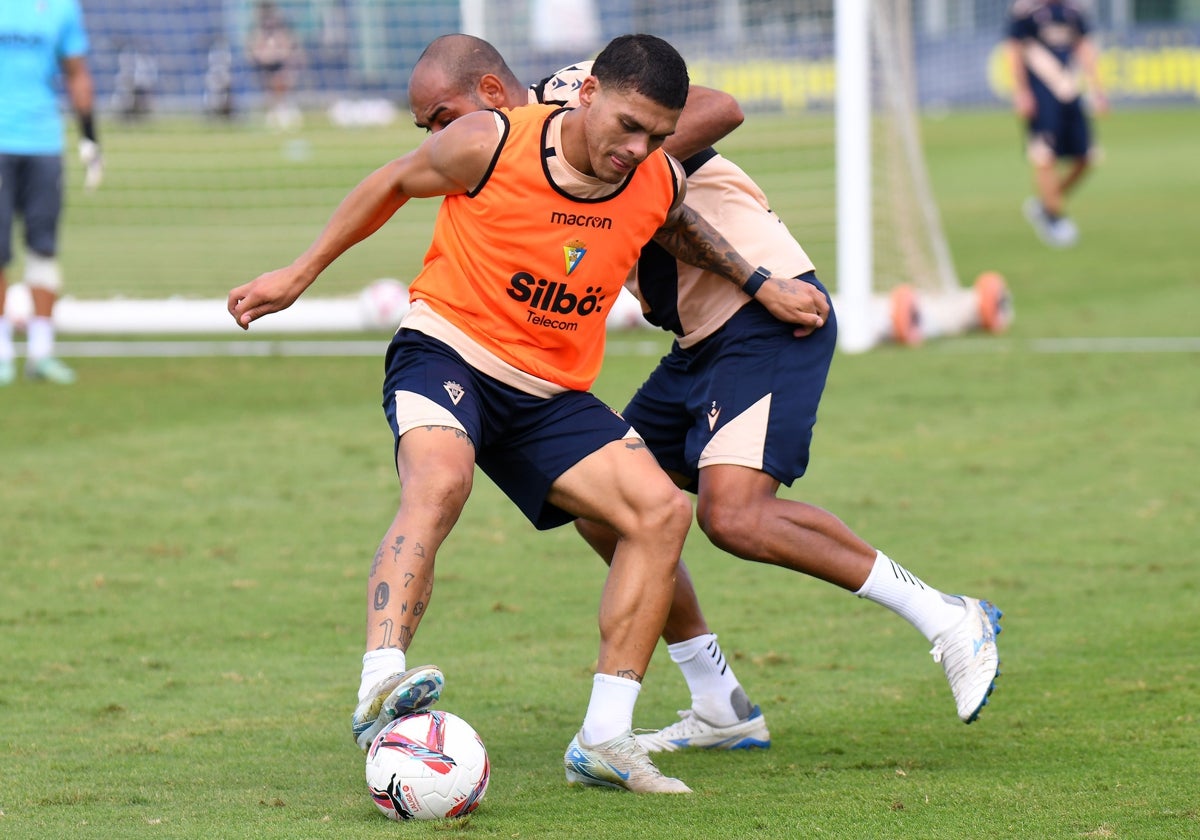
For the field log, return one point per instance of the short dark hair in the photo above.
(645, 64)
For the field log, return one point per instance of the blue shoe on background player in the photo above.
(694, 732)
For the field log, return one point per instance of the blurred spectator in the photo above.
(275, 54)
(137, 74)
(218, 81)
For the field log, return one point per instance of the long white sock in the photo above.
(40, 333)
(902, 592)
(610, 711)
(378, 664)
(7, 350)
(711, 680)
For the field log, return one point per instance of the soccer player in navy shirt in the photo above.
(1049, 49)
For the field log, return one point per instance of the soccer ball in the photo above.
(383, 303)
(426, 766)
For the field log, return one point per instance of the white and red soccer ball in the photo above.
(426, 766)
(383, 303)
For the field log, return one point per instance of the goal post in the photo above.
(855, 247)
(896, 279)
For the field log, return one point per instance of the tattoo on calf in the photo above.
(387, 626)
(629, 674)
(382, 595)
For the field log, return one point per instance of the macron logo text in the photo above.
(581, 220)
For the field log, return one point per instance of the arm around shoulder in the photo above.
(708, 116)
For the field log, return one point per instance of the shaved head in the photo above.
(464, 59)
(459, 74)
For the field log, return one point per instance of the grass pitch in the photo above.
(185, 544)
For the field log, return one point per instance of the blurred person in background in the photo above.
(1049, 50)
(275, 53)
(39, 43)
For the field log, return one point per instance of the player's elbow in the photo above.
(729, 114)
(736, 116)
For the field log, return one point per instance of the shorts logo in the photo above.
(574, 251)
(454, 390)
(714, 412)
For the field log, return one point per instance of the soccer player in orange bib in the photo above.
(544, 215)
(729, 412)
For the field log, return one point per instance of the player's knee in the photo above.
(1040, 153)
(668, 517)
(441, 489)
(42, 273)
(729, 527)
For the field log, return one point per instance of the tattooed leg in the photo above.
(435, 465)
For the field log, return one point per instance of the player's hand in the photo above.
(796, 302)
(267, 293)
(93, 164)
(1024, 104)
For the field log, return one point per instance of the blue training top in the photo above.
(35, 37)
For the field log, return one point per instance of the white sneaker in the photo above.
(968, 654)
(49, 369)
(1057, 233)
(621, 762)
(1064, 232)
(395, 696)
(694, 732)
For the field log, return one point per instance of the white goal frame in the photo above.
(923, 307)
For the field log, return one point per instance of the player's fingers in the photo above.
(253, 313)
(234, 300)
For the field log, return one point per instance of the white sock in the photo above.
(610, 711)
(710, 679)
(40, 333)
(378, 664)
(7, 351)
(902, 592)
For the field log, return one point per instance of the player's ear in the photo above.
(491, 91)
(588, 90)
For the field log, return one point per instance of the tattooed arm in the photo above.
(692, 240)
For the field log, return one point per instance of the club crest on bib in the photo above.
(574, 252)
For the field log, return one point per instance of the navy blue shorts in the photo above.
(1061, 126)
(30, 187)
(523, 443)
(747, 394)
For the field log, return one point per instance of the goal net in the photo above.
(221, 165)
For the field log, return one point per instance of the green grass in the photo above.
(185, 544)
